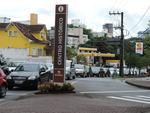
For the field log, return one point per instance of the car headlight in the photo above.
(32, 77)
(8, 77)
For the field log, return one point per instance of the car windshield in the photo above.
(27, 67)
(95, 69)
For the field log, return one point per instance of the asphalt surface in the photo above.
(94, 95)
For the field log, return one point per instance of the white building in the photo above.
(4, 20)
(77, 23)
(98, 34)
(75, 36)
(108, 29)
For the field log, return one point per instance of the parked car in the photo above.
(50, 68)
(12, 65)
(70, 70)
(94, 71)
(5, 70)
(80, 70)
(28, 75)
(3, 83)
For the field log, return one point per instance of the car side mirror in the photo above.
(42, 70)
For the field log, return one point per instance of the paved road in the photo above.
(16, 94)
(110, 90)
(94, 95)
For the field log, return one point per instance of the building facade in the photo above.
(22, 40)
(108, 29)
(75, 36)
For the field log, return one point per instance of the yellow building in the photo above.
(33, 38)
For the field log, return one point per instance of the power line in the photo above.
(140, 19)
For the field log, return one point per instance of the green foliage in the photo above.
(147, 42)
(136, 60)
(81, 59)
(88, 32)
(55, 88)
(71, 53)
(67, 87)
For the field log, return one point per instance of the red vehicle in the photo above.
(3, 83)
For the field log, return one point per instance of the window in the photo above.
(43, 35)
(15, 33)
(12, 33)
(9, 33)
(34, 52)
(39, 52)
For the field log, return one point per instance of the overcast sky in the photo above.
(92, 13)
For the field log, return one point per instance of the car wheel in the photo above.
(3, 91)
(10, 87)
(74, 77)
(35, 86)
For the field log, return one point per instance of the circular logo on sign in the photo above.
(60, 8)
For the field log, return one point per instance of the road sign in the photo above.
(61, 13)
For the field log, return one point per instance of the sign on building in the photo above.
(139, 47)
(61, 13)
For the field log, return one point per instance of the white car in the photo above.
(80, 70)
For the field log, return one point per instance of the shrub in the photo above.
(51, 87)
(67, 87)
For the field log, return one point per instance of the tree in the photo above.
(71, 53)
(81, 59)
(88, 32)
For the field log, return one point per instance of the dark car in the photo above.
(28, 75)
(3, 83)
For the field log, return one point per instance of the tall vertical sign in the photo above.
(61, 13)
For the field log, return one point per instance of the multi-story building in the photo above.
(20, 40)
(98, 34)
(4, 20)
(74, 38)
(77, 23)
(108, 29)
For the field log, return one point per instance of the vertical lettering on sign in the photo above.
(60, 42)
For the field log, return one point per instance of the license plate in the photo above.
(18, 81)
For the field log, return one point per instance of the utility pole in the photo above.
(121, 71)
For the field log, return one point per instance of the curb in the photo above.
(137, 85)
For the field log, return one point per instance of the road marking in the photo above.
(126, 98)
(99, 92)
(144, 97)
(2, 100)
(16, 94)
(137, 97)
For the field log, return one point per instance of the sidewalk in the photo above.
(139, 82)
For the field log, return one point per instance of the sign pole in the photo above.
(61, 13)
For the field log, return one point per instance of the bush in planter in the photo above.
(51, 87)
(57, 87)
(44, 88)
(67, 87)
